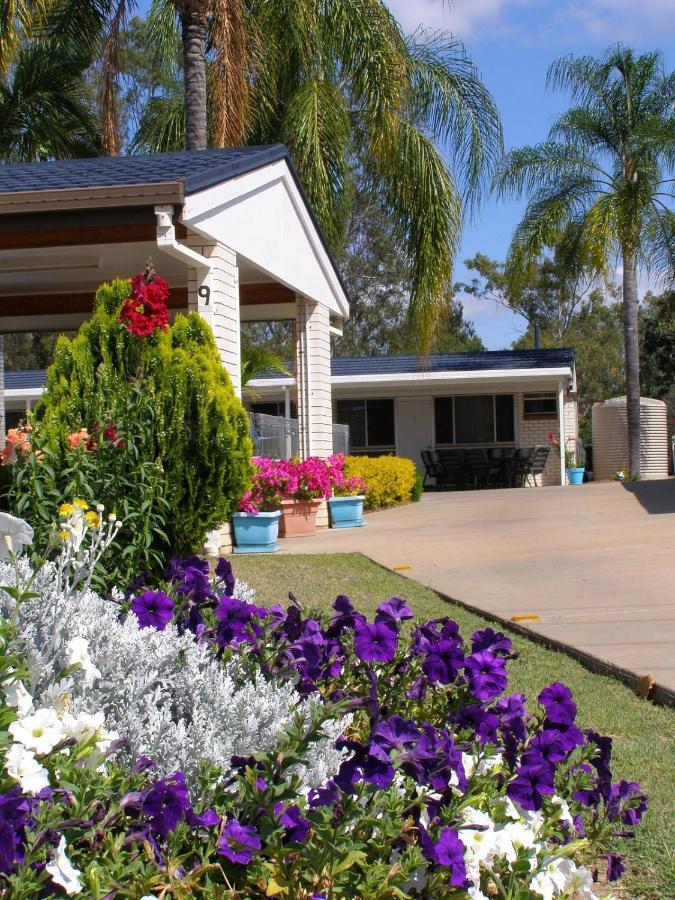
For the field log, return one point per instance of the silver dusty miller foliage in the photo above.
(170, 697)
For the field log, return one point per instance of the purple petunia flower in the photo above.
(393, 611)
(483, 723)
(395, 733)
(153, 609)
(375, 643)
(488, 639)
(239, 842)
(14, 809)
(166, 803)
(627, 802)
(297, 827)
(549, 745)
(234, 617)
(448, 851)
(557, 701)
(327, 795)
(615, 866)
(486, 674)
(534, 779)
(442, 662)
(225, 574)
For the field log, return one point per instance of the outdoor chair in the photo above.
(533, 464)
(452, 468)
(477, 467)
(501, 459)
(432, 468)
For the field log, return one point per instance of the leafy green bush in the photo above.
(115, 462)
(172, 383)
(390, 480)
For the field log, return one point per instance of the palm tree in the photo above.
(45, 112)
(256, 362)
(353, 98)
(606, 170)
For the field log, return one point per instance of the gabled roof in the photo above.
(481, 361)
(195, 169)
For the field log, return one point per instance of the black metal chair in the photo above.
(452, 468)
(432, 468)
(501, 466)
(477, 466)
(532, 464)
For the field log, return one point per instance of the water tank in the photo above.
(610, 438)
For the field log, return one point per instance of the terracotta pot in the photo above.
(298, 517)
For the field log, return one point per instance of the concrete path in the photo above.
(595, 563)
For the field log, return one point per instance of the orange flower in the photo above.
(77, 438)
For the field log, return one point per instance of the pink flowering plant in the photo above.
(344, 485)
(275, 480)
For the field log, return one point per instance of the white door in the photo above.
(414, 427)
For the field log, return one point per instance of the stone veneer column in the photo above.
(312, 368)
(222, 313)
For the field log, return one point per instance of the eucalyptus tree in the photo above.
(606, 170)
(353, 98)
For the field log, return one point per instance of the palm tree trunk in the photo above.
(193, 19)
(632, 357)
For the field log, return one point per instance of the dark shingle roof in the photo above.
(453, 362)
(197, 169)
(29, 378)
(394, 365)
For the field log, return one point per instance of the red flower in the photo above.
(146, 308)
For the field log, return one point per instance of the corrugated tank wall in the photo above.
(610, 438)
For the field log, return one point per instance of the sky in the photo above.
(512, 43)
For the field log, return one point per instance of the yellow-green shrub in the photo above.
(390, 480)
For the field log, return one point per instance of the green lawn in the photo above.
(643, 734)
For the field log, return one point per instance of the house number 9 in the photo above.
(205, 293)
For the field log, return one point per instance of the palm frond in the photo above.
(452, 102)
(425, 205)
(542, 166)
(317, 130)
(257, 362)
(161, 128)
(228, 82)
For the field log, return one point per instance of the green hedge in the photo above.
(390, 480)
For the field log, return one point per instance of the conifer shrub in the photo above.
(169, 383)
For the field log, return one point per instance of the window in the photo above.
(540, 406)
(474, 419)
(371, 422)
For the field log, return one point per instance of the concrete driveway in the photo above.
(594, 565)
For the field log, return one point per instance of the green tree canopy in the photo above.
(605, 175)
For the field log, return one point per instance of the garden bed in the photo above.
(642, 733)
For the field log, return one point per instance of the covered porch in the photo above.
(231, 231)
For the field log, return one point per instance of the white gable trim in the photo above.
(263, 216)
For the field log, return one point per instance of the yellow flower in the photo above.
(80, 504)
(64, 535)
(92, 518)
(66, 509)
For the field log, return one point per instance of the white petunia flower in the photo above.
(18, 698)
(40, 731)
(15, 534)
(580, 884)
(78, 653)
(553, 877)
(24, 768)
(565, 814)
(62, 871)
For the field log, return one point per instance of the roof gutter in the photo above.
(166, 241)
(165, 192)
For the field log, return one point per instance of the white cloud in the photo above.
(461, 17)
(544, 21)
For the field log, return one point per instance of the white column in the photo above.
(214, 294)
(312, 366)
(561, 429)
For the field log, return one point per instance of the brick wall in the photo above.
(536, 431)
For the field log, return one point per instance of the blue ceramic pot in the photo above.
(256, 533)
(575, 476)
(346, 512)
